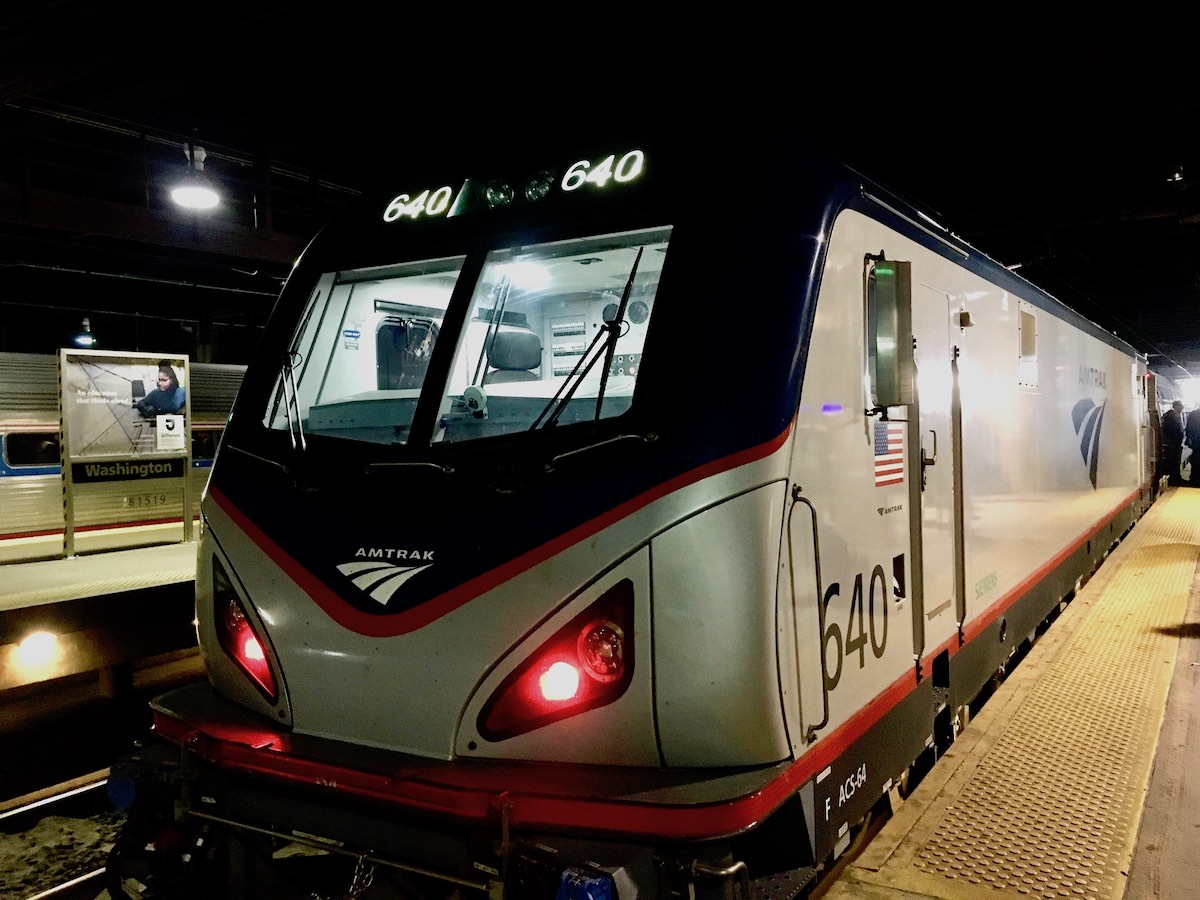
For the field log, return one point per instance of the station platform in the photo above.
(94, 613)
(28, 584)
(1080, 777)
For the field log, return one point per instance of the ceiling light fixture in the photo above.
(195, 191)
(85, 338)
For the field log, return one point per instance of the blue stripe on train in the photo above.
(10, 471)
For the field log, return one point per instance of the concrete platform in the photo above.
(96, 613)
(95, 574)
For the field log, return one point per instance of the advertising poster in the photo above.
(124, 405)
(125, 436)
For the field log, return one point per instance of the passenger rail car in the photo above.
(579, 528)
(31, 483)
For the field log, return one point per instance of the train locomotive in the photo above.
(613, 523)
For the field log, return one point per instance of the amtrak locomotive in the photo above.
(625, 522)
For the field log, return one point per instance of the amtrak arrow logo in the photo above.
(380, 580)
(1087, 417)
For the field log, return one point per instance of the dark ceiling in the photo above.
(1050, 149)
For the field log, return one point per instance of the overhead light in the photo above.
(1176, 174)
(85, 338)
(195, 191)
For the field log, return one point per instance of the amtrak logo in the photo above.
(1087, 417)
(380, 580)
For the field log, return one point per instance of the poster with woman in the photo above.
(125, 434)
(123, 404)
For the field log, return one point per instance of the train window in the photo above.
(1027, 374)
(32, 449)
(551, 334)
(361, 351)
(1028, 334)
(554, 335)
(204, 443)
(402, 350)
(888, 322)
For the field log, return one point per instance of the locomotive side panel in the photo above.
(1050, 442)
(852, 586)
(716, 685)
(854, 471)
(965, 509)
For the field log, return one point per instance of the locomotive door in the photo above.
(937, 468)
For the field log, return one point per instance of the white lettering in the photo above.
(393, 553)
(853, 782)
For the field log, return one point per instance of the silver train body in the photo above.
(116, 517)
(505, 621)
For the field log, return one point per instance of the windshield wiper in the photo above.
(610, 333)
(292, 404)
(291, 408)
(499, 302)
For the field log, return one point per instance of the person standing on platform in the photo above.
(1172, 436)
(1191, 438)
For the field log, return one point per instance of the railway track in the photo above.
(54, 842)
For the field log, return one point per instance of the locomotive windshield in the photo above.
(547, 334)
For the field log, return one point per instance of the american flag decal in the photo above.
(889, 453)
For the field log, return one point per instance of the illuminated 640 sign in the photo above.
(472, 196)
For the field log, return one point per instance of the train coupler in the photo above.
(537, 872)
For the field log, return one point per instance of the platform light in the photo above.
(38, 655)
(1189, 389)
(195, 191)
(85, 338)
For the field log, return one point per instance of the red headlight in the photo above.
(237, 636)
(588, 663)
